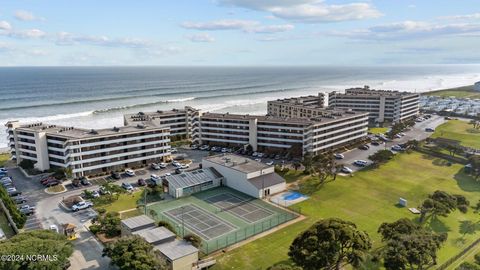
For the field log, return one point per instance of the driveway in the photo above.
(416, 133)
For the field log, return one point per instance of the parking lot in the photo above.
(417, 132)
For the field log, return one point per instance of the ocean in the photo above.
(96, 97)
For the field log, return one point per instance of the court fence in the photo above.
(238, 235)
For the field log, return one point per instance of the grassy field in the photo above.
(291, 175)
(459, 92)
(378, 130)
(459, 130)
(368, 199)
(4, 158)
(125, 201)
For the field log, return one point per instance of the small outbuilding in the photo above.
(133, 224)
(187, 183)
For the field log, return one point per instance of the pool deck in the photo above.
(282, 200)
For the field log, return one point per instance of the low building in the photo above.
(179, 254)
(190, 182)
(131, 225)
(88, 151)
(245, 175)
(298, 107)
(382, 105)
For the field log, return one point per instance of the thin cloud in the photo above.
(201, 37)
(309, 11)
(473, 16)
(24, 15)
(65, 39)
(6, 26)
(242, 25)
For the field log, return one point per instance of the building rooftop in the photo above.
(192, 178)
(237, 162)
(138, 221)
(156, 235)
(266, 180)
(366, 91)
(148, 117)
(80, 133)
(264, 118)
(176, 249)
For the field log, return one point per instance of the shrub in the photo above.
(477, 258)
(468, 266)
(167, 225)
(11, 206)
(27, 164)
(95, 228)
(193, 239)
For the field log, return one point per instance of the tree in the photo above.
(193, 239)
(17, 216)
(439, 203)
(133, 253)
(475, 162)
(330, 244)
(32, 243)
(468, 266)
(296, 165)
(323, 166)
(338, 168)
(282, 266)
(109, 224)
(307, 162)
(462, 203)
(27, 164)
(412, 144)
(409, 245)
(381, 156)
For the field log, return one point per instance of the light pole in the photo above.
(183, 224)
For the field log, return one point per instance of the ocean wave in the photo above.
(49, 118)
(126, 107)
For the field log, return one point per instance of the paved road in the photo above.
(417, 132)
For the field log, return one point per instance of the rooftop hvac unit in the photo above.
(116, 129)
(93, 131)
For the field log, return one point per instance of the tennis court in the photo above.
(199, 221)
(220, 216)
(242, 208)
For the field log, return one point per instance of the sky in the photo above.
(239, 32)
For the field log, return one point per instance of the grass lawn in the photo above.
(4, 158)
(459, 130)
(291, 175)
(378, 130)
(368, 199)
(131, 213)
(125, 201)
(459, 92)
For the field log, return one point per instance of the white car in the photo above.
(339, 156)
(360, 163)
(254, 154)
(176, 164)
(173, 150)
(129, 172)
(347, 170)
(260, 155)
(258, 160)
(81, 206)
(270, 163)
(11, 189)
(167, 174)
(54, 228)
(184, 166)
(155, 166)
(155, 177)
(224, 150)
(162, 165)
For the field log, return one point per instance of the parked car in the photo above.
(254, 154)
(397, 148)
(127, 186)
(204, 147)
(20, 199)
(54, 228)
(155, 166)
(194, 147)
(178, 170)
(346, 170)
(376, 143)
(224, 150)
(3, 170)
(129, 172)
(95, 194)
(116, 175)
(429, 129)
(81, 205)
(27, 209)
(277, 157)
(260, 155)
(103, 191)
(162, 165)
(339, 156)
(269, 163)
(52, 183)
(360, 163)
(184, 166)
(14, 193)
(364, 147)
(258, 160)
(141, 182)
(11, 189)
(173, 150)
(155, 177)
(46, 179)
(84, 181)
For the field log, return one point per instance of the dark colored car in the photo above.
(116, 175)
(52, 183)
(178, 171)
(84, 181)
(46, 179)
(141, 182)
(364, 147)
(14, 193)
(375, 143)
(48, 182)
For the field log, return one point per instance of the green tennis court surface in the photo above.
(220, 216)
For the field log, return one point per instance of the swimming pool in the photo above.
(293, 195)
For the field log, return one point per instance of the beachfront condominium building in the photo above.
(183, 123)
(88, 151)
(298, 107)
(295, 136)
(382, 105)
